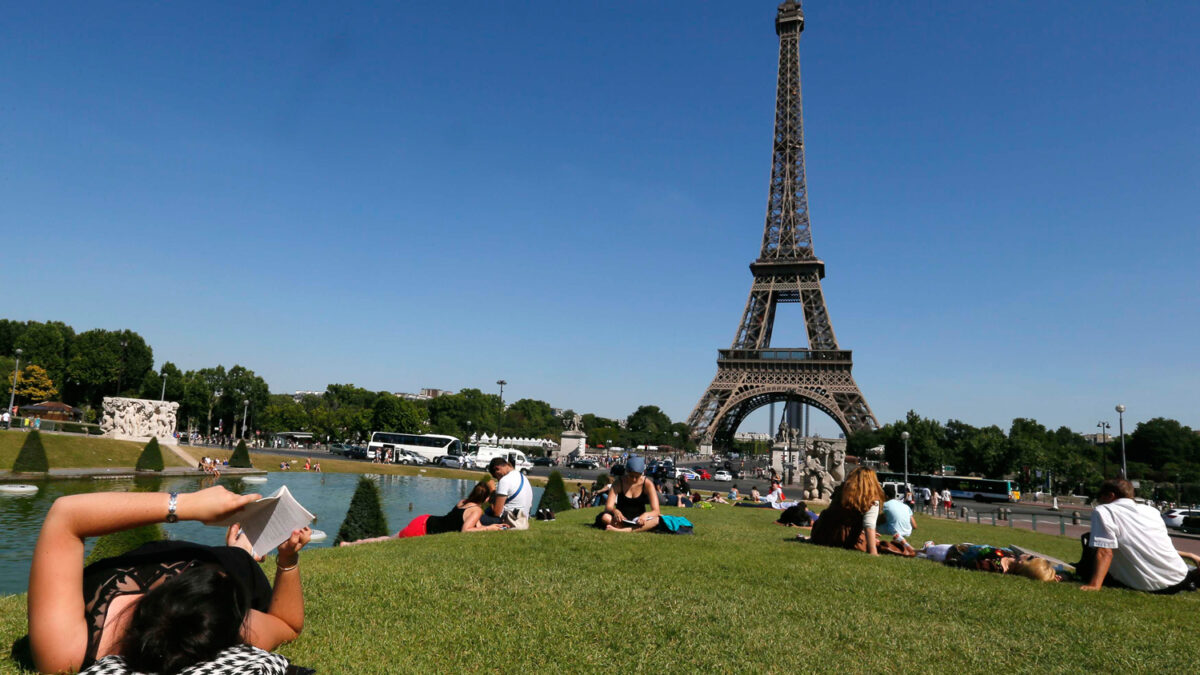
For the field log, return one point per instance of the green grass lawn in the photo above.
(68, 451)
(741, 595)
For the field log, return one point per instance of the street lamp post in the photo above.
(1121, 422)
(121, 372)
(1103, 427)
(163, 395)
(13, 392)
(904, 435)
(500, 422)
(245, 411)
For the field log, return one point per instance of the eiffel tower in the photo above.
(752, 373)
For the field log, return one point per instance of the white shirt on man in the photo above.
(1143, 556)
(518, 491)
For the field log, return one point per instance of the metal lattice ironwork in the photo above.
(751, 374)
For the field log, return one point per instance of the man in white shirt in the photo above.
(1132, 547)
(513, 497)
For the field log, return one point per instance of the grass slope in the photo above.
(71, 451)
(740, 595)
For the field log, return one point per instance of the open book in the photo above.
(269, 521)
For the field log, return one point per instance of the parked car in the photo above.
(410, 457)
(358, 452)
(544, 461)
(450, 461)
(1174, 517)
(722, 475)
(687, 473)
(584, 464)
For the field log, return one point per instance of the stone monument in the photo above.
(137, 419)
(573, 441)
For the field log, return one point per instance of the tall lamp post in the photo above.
(1103, 427)
(904, 435)
(163, 395)
(500, 422)
(245, 411)
(13, 392)
(1121, 422)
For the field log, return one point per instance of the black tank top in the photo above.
(451, 522)
(632, 507)
(140, 570)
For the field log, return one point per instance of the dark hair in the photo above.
(185, 620)
(496, 463)
(1117, 487)
(479, 493)
(889, 491)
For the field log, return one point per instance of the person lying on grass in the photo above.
(464, 517)
(989, 559)
(632, 504)
(165, 606)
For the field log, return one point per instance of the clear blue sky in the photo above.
(567, 195)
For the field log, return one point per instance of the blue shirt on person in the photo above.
(899, 519)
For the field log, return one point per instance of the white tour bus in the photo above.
(386, 444)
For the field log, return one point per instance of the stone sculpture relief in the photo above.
(137, 419)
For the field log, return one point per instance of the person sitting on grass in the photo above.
(632, 504)
(602, 487)
(734, 495)
(775, 494)
(898, 518)
(717, 498)
(463, 517)
(513, 498)
(167, 605)
(850, 520)
(990, 559)
(1129, 547)
(754, 496)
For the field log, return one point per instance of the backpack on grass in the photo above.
(674, 525)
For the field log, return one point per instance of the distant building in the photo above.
(427, 394)
(752, 436)
(299, 396)
(434, 393)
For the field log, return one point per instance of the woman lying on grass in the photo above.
(464, 517)
(162, 607)
(632, 504)
(989, 559)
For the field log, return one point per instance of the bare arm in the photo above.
(1104, 558)
(498, 504)
(284, 619)
(610, 504)
(1190, 556)
(57, 626)
(871, 548)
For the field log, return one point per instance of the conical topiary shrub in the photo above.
(365, 518)
(151, 457)
(32, 457)
(240, 457)
(555, 497)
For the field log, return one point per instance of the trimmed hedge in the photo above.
(151, 457)
(365, 517)
(241, 457)
(555, 497)
(32, 457)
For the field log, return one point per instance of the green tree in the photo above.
(47, 345)
(241, 385)
(392, 413)
(648, 419)
(530, 418)
(364, 518)
(1160, 441)
(240, 458)
(32, 457)
(449, 414)
(555, 497)
(152, 384)
(151, 458)
(925, 451)
(284, 414)
(109, 363)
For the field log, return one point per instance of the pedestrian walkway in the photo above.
(121, 472)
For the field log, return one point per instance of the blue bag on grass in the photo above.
(675, 525)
